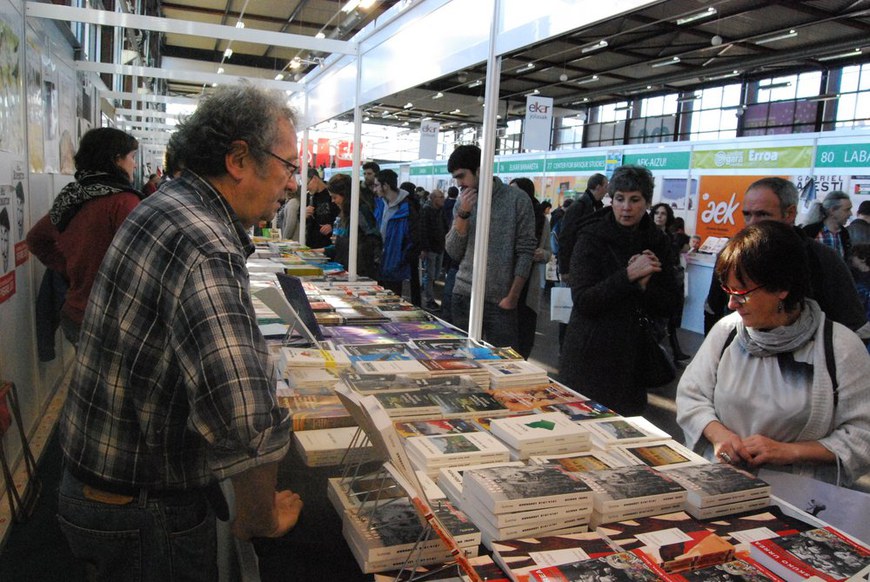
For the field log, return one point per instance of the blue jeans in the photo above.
(431, 270)
(157, 539)
(499, 326)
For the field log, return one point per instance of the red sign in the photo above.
(7, 286)
(21, 253)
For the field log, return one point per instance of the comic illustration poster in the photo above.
(35, 109)
(7, 220)
(11, 127)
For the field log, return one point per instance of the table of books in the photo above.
(415, 447)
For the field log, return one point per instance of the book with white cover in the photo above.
(507, 489)
(449, 479)
(518, 557)
(327, 356)
(634, 486)
(619, 431)
(636, 511)
(663, 456)
(714, 484)
(591, 460)
(489, 535)
(328, 446)
(434, 452)
(550, 449)
(728, 508)
(521, 432)
(510, 525)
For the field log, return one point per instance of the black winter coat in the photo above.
(600, 343)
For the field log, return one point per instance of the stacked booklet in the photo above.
(511, 502)
(432, 453)
(331, 446)
(631, 492)
(716, 489)
(514, 373)
(549, 433)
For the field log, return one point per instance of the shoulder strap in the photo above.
(828, 334)
(727, 343)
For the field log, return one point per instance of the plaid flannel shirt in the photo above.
(173, 385)
(831, 239)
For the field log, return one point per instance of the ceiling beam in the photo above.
(168, 25)
(149, 98)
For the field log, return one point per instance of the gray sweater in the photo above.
(511, 243)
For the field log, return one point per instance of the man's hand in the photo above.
(508, 303)
(326, 229)
(288, 506)
(467, 199)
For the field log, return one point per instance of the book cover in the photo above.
(617, 431)
(742, 570)
(435, 426)
(518, 557)
(376, 383)
(450, 479)
(409, 367)
(578, 410)
(360, 334)
(665, 455)
(464, 448)
(421, 330)
(531, 397)
(674, 542)
(818, 552)
(467, 404)
(742, 528)
(619, 567)
(379, 352)
(409, 403)
(624, 487)
(712, 484)
(506, 489)
(594, 460)
(458, 365)
(547, 427)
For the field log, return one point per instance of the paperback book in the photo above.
(664, 455)
(526, 398)
(430, 453)
(467, 404)
(449, 479)
(579, 410)
(518, 557)
(627, 488)
(618, 567)
(409, 404)
(743, 528)
(435, 426)
(743, 570)
(592, 460)
(619, 431)
(712, 484)
(549, 428)
(821, 552)
(331, 446)
(507, 489)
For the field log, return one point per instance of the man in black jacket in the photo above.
(321, 213)
(832, 284)
(586, 204)
(432, 232)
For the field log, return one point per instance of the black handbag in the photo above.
(653, 367)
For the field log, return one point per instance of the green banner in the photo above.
(751, 158)
(439, 169)
(421, 170)
(521, 166)
(660, 160)
(846, 155)
(570, 165)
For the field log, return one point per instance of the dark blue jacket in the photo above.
(398, 242)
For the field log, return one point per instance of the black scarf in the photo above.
(88, 185)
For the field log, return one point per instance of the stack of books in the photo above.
(631, 492)
(519, 557)
(408, 404)
(463, 404)
(383, 539)
(402, 312)
(592, 460)
(674, 542)
(361, 315)
(432, 453)
(385, 358)
(608, 432)
(716, 489)
(327, 356)
(446, 367)
(548, 433)
(513, 502)
(514, 373)
(305, 378)
(413, 330)
(819, 554)
(331, 446)
(449, 480)
(525, 398)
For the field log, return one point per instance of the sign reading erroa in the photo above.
(720, 204)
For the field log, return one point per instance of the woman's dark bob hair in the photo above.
(770, 254)
(101, 148)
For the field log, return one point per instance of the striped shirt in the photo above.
(173, 386)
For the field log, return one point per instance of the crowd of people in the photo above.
(173, 390)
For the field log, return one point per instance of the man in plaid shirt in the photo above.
(172, 389)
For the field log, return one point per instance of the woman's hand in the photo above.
(766, 451)
(727, 445)
(642, 266)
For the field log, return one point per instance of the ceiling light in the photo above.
(349, 7)
(824, 97)
(530, 93)
(476, 83)
(671, 61)
(320, 35)
(526, 67)
(697, 16)
(295, 63)
(852, 53)
(594, 47)
(279, 77)
(220, 71)
(228, 53)
(772, 86)
(240, 24)
(366, 4)
(214, 84)
(438, 95)
(563, 77)
(455, 111)
(408, 105)
(723, 76)
(462, 77)
(591, 79)
(790, 34)
(688, 98)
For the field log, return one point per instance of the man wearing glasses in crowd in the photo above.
(832, 285)
(173, 390)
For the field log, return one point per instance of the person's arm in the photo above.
(42, 242)
(524, 251)
(261, 511)
(765, 451)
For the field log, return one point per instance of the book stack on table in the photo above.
(632, 492)
(331, 446)
(549, 433)
(816, 554)
(531, 500)
(716, 489)
(435, 452)
(385, 358)
(514, 373)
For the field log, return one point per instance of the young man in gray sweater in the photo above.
(511, 248)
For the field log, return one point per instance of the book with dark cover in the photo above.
(413, 330)
(633, 486)
(674, 542)
(743, 570)
(584, 461)
(666, 455)
(578, 410)
(750, 526)
(619, 567)
(518, 557)
(376, 383)
(467, 404)
(712, 484)
(434, 426)
(408, 403)
(379, 352)
(821, 552)
(506, 489)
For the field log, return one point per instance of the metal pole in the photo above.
(353, 219)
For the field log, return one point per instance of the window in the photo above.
(782, 105)
(853, 107)
(569, 133)
(714, 115)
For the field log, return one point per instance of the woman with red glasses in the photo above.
(767, 387)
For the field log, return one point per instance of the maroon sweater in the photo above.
(78, 251)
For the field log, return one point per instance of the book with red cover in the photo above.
(750, 526)
(619, 567)
(518, 557)
(822, 552)
(742, 570)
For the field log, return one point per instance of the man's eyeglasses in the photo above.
(740, 297)
(289, 167)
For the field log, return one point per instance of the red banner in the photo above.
(7, 286)
(21, 253)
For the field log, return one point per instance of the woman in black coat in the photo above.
(616, 271)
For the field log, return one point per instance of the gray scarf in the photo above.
(783, 339)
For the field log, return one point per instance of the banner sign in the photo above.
(539, 118)
(753, 158)
(847, 155)
(660, 160)
(429, 139)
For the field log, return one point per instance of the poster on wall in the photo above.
(67, 119)
(7, 234)
(719, 205)
(567, 176)
(11, 126)
(50, 113)
(36, 153)
(19, 189)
